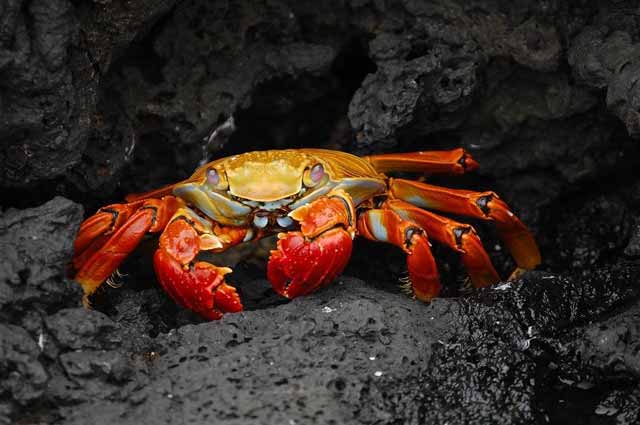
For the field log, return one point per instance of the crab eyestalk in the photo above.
(311, 258)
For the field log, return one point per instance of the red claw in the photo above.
(300, 266)
(200, 286)
(201, 289)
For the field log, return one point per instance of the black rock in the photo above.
(23, 376)
(633, 247)
(355, 354)
(37, 244)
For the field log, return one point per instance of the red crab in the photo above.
(317, 201)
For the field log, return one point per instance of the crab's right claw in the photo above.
(198, 286)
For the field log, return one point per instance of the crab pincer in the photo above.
(311, 258)
(198, 286)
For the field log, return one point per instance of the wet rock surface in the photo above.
(101, 98)
(353, 353)
(541, 349)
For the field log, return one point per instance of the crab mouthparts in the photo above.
(280, 220)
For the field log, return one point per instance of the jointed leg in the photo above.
(455, 161)
(386, 225)
(94, 231)
(105, 239)
(483, 205)
(457, 236)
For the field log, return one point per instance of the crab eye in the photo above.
(216, 179)
(314, 175)
(213, 178)
(317, 173)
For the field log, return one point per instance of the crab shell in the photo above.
(231, 190)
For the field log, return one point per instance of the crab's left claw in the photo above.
(300, 266)
(312, 257)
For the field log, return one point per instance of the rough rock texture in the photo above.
(43, 105)
(542, 349)
(347, 356)
(353, 353)
(544, 93)
(52, 59)
(36, 247)
(99, 98)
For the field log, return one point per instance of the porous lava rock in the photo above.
(353, 353)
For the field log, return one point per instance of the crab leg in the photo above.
(109, 236)
(484, 205)
(457, 236)
(197, 285)
(311, 258)
(456, 161)
(94, 231)
(385, 225)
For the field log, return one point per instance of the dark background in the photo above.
(103, 98)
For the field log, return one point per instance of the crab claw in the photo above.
(198, 286)
(299, 266)
(311, 258)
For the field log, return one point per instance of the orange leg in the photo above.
(109, 236)
(455, 161)
(457, 236)
(197, 285)
(385, 225)
(311, 258)
(483, 205)
(95, 230)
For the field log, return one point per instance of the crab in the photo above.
(316, 201)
